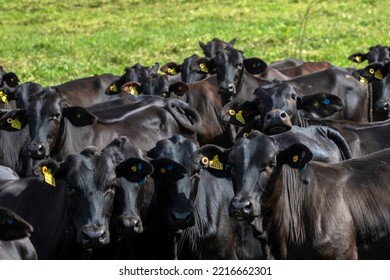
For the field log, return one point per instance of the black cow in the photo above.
(375, 54)
(290, 195)
(183, 69)
(376, 74)
(234, 73)
(8, 81)
(191, 205)
(70, 203)
(136, 73)
(14, 237)
(279, 106)
(57, 129)
(188, 75)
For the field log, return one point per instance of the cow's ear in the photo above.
(6, 95)
(255, 125)
(11, 79)
(255, 65)
(12, 226)
(375, 72)
(214, 159)
(154, 68)
(320, 105)
(14, 120)
(47, 170)
(358, 57)
(296, 156)
(239, 112)
(167, 171)
(134, 169)
(78, 116)
(171, 68)
(232, 42)
(179, 88)
(203, 65)
(133, 88)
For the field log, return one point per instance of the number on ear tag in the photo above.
(215, 163)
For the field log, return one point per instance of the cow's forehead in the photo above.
(228, 55)
(92, 169)
(257, 149)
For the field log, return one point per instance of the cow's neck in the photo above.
(281, 211)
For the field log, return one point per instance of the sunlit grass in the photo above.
(54, 41)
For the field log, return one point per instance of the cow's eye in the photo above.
(239, 66)
(293, 96)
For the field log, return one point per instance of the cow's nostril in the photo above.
(268, 117)
(283, 115)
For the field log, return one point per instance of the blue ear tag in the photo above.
(258, 64)
(10, 220)
(169, 167)
(326, 101)
(139, 166)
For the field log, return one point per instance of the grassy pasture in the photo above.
(50, 42)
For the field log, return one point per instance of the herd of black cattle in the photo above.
(220, 157)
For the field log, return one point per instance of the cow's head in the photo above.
(376, 53)
(278, 106)
(253, 164)
(187, 75)
(229, 65)
(91, 177)
(173, 169)
(136, 73)
(129, 190)
(377, 73)
(45, 113)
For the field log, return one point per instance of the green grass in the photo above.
(50, 42)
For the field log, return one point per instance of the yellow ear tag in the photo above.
(3, 97)
(163, 170)
(358, 59)
(295, 158)
(133, 90)
(172, 71)
(240, 118)
(48, 178)
(377, 75)
(15, 123)
(363, 80)
(315, 104)
(371, 71)
(78, 115)
(134, 168)
(215, 163)
(232, 112)
(203, 68)
(114, 88)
